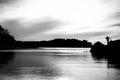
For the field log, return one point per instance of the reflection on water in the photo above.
(54, 64)
(6, 57)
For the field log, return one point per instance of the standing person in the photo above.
(108, 39)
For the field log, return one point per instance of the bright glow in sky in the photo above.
(49, 19)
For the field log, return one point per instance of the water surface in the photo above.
(54, 64)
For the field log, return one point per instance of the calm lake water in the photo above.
(54, 64)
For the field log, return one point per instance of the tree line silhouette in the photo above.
(7, 41)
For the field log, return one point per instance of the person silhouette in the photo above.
(108, 39)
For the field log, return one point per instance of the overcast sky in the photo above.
(49, 19)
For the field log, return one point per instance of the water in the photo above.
(54, 64)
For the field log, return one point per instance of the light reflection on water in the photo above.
(55, 64)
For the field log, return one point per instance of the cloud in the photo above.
(114, 37)
(7, 5)
(19, 29)
(115, 25)
(115, 7)
(6, 2)
(116, 15)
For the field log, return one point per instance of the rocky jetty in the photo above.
(99, 49)
(111, 51)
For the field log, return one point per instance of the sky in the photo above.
(35, 20)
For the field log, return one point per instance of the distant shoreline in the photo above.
(8, 42)
(50, 48)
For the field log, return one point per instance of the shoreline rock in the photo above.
(111, 51)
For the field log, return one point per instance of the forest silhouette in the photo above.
(7, 41)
